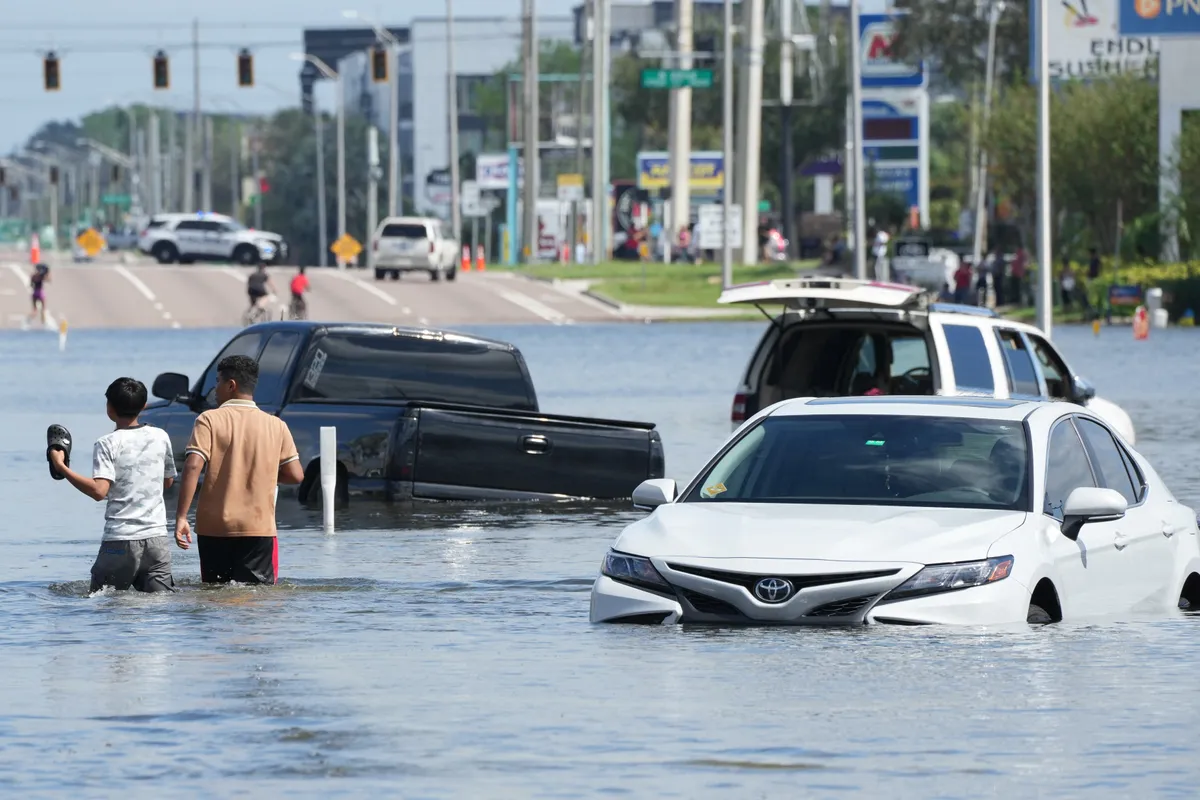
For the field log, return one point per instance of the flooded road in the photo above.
(445, 651)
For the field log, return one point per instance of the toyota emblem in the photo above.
(773, 590)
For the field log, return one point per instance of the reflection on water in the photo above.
(445, 649)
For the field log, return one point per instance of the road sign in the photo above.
(677, 78)
(346, 247)
(570, 188)
(708, 226)
(115, 199)
(469, 197)
(1177, 18)
(90, 242)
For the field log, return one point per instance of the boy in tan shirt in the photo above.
(244, 453)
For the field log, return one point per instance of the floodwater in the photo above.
(446, 652)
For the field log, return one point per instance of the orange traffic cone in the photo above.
(480, 259)
(466, 258)
(35, 250)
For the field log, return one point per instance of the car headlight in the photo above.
(634, 570)
(938, 578)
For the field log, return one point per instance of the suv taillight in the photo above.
(375, 245)
(738, 414)
(432, 249)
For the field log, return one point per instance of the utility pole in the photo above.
(605, 124)
(994, 11)
(455, 188)
(1045, 298)
(395, 187)
(155, 165)
(322, 223)
(206, 199)
(727, 148)
(786, 72)
(194, 132)
(372, 195)
(532, 177)
(168, 167)
(235, 171)
(860, 197)
(588, 11)
(681, 125)
(258, 204)
(598, 33)
(751, 127)
(341, 158)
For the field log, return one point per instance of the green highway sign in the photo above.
(115, 200)
(677, 78)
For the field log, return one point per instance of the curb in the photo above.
(606, 300)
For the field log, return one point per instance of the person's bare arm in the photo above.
(291, 473)
(95, 488)
(168, 483)
(187, 491)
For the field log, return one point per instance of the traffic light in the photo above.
(162, 71)
(50, 72)
(54, 176)
(379, 65)
(245, 69)
(263, 186)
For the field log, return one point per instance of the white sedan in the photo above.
(907, 510)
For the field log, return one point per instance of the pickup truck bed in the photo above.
(413, 444)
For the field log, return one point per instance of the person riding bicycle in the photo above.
(259, 286)
(299, 286)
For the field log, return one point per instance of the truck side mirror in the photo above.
(171, 386)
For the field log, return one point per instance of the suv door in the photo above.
(1090, 572)
(189, 237)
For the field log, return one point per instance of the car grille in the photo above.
(842, 608)
(709, 605)
(798, 581)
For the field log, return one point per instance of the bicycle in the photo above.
(256, 313)
(297, 309)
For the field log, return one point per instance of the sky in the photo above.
(106, 48)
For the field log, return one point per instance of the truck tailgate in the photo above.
(464, 453)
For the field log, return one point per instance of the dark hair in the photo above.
(241, 369)
(127, 397)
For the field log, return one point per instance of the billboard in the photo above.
(1085, 42)
(879, 67)
(491, 171)
(1159, 17)
(708, 172)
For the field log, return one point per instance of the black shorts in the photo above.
(245, 559)
(142, 564)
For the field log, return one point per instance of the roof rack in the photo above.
(962, 308)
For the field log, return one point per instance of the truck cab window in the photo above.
(272, 367)
(246, 345)
(969, 357)
(1018, 363)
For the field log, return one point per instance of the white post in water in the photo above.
(328, 474)
(62, 335)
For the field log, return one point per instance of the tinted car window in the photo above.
(405, 231)
(272, 367)
(1053, 369)
(1022, 379)
(189, 225)
(873, 460)
(1067, 468)
(387, 367)
(1139, 482)
(969, 356)
(1106, 457)
(246, 345)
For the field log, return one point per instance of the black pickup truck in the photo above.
(419, 414)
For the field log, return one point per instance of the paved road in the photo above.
(114, 295)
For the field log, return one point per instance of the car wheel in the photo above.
(435, 275)
(165, 253)
(1037, 615)
(395, 274)
(380, 274)
(246, 255)
(452, 274)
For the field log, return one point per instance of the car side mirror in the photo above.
(1090, 504)
(653, 493)
(171, 386)
(1084, 391)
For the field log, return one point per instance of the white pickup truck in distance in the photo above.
(837, 337)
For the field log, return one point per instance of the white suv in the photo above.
(838, 337)
(186, 238)
(414, 244)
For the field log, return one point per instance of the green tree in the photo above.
(952, 36)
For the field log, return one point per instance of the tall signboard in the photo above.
(707, 178)
(1086, 42)
(895, 118)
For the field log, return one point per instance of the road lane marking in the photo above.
(137, 283)
(233, 273)
(375, 290)
(534, 307)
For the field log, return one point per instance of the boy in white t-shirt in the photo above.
(131, 468)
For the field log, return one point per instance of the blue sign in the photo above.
(879, 67)
(708, 172)
(1124, 295)
(1158, 17)
(903, 181)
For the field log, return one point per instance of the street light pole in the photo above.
(452, 101)
(1045, 304)
(322, 222)
(727, 147)
(329, 73)
(860, 194)
(995, 10)
(395, 195)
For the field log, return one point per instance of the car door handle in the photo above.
(1120, 542)
(1169, 530)
(536, 445)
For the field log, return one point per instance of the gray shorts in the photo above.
(142, 564)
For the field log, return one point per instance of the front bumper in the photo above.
(851, 603)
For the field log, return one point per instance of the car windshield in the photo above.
(945, 462)
(404, 230)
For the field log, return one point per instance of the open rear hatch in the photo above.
(814, 293)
